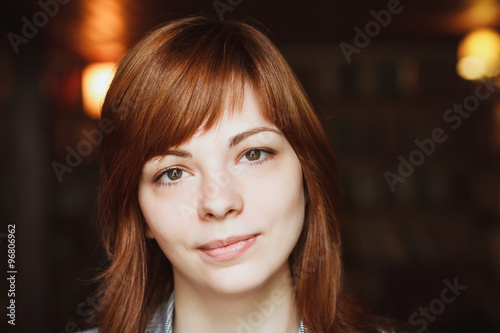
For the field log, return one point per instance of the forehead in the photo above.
(244, 116)
(242, 121)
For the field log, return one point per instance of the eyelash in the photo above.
(269, 155)
(162, 173)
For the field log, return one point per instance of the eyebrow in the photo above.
(242, 136)
(232, 142)
(179, 153)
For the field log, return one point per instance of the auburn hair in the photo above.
(177, 79)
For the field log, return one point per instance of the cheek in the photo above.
(292, 200)
(278, 193)
(167, 226)
(166, 217)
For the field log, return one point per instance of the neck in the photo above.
(270, 308)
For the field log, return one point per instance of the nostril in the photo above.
(231, 212)
(209, 215)
(213, 216)
(226, 202)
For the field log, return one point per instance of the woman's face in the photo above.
(227, 207)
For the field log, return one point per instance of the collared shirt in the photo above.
(161, 322)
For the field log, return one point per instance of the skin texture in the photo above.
(241, 177)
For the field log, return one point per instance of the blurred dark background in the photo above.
(401, 244)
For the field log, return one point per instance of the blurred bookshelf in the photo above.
(444, 219)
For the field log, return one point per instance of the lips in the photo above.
(228, 248)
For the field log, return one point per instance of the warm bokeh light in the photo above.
(96, 78)
(476, 67)
(482, 12)
(469, 15)
(101, 30)
(479, 54)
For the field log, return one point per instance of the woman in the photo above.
(218, 191)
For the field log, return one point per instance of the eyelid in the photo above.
(162, 172)
(266, 150)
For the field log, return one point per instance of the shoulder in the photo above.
(160, 322)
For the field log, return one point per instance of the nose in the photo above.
(221, 198)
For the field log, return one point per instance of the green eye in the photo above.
(253, 155)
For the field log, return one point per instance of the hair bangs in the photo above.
(186, 89)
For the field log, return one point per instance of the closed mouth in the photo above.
(226, 242)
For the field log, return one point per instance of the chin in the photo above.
(238, 280)
(234, 290)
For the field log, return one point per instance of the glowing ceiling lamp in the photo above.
(479, 54)
(96, 79)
